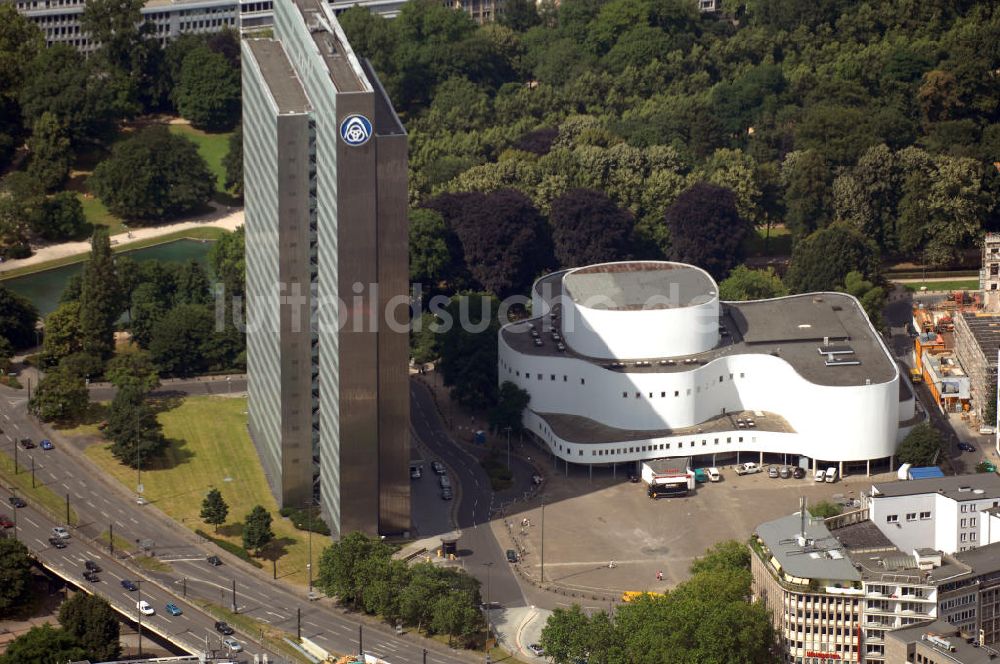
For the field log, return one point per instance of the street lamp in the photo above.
(486, 641)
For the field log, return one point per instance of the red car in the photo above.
(5, 521)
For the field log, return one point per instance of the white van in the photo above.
(713, 474)
(831, 474)
(820, 475)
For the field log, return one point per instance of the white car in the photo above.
(232, 644)
(144, 608)
(820, 475)
(60, 532)
(713, 474)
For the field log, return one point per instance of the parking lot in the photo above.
(589, 524)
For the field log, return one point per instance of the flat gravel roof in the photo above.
(639, 285)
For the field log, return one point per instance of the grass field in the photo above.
(41, 496)
(211, 448)
(204, 233)
(959, 284)
(98, 215)
(779, 243)
(212, 147)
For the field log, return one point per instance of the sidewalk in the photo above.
(227, 218)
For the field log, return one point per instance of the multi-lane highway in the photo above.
(99, 502)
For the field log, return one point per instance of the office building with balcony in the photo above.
(325, 171)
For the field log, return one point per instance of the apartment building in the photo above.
(936, 642)
(949, 514)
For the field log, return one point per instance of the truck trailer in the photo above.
(666, 478)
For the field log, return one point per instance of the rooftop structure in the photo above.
(980, 486)
(936, 642)
(644, 352)
(977, 342)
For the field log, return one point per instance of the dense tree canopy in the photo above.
(15, 574)
(94, 625)
(44, 645)
(822, 260)
(208, 90)
(17, 319)
(706, 229)
(921, 447)
(100, 302)
(746, 284)
(468, 329)
(153, 175)
(587, 227)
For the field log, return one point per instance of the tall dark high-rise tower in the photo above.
(325, 172)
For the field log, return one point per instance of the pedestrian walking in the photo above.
(659, 576)
(611, 564)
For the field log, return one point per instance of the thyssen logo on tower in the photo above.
(355, 130)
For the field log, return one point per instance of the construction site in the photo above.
(957, 341)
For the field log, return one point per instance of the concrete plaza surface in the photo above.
(589, 524)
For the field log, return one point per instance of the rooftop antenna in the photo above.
(802, 520)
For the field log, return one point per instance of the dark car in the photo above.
(966, 447)
(57, 542)
(798, 473)
(5, 521)
(91, 566)
(437, 467)
(17, 501)
(129, 585)
(91, 576)
(446, 494)
(511, 556)
(26, 443)
(214, 561)
(632, 476)
(223, 628)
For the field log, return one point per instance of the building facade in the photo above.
(59, 20)
(949, 514)
(632, 361)
(977, 342)
(325, 170)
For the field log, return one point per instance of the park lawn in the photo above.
(98, 215)
(779, 243)
(958, 284)
(41, 496)
(211, 448)
(211, 147)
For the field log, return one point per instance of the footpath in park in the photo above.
(225, 218)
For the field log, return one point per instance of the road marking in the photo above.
(53, 475)
(105, 515)
(65, 486)
(91, 505)
(276, 615)
(28, 519)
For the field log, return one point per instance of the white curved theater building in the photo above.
(641, 360)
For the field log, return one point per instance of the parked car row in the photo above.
(786, 472)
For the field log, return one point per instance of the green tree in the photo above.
(50, 152)
(133, 366)
(82, 365)
(214, 509)
(706, 229)
(468, 346)
(228, 262)
(6, 354)
(192, 284)
(180, 339)
(424, 338)
(15, 574)
(62, 333)
(60, 218)
(60, 397)
(416, 600)
(566, 635)
(17, 319)
(520, 15)
(341, 565)
(153, 175)
(233, 163)
(808, 183)
(824, 509)
(456, 614)
(20, 41)
(921, 447)
(43, 645)
(59, 81)
(430, 259)
(135, 433)
(871, 297)
(100, 301)
(744, 284)
(725, 555)
(821, 261)
(989, 406)
(94, 625)
(208, 91)
(257, 531)
(509, 410)
(384, 581)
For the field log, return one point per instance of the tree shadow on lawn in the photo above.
(166, 400)
(175, 454)
(95, 414)
(231, 530)
(277, 548)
